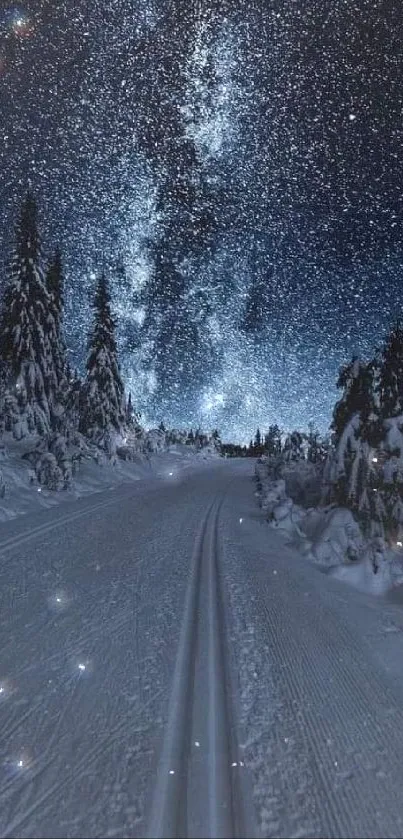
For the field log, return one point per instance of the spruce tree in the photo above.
(355, 430)
(24, 328)
(390, 385)
(293, 447)
(55, 335)
(55, 284)
(355, 379)
(104, 409)
(390, 394)
(74, 404)
(272, 441)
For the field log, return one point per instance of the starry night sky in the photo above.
(290, 116)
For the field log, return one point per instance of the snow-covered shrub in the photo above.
(377, 572)
(48, 472)
(263, 475)
(303, 481)
(302, 478)
(58, 447)
(334, 534)
(280, 510)
(155, 441)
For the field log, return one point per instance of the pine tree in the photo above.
(55, 285)
(313, 444)
(74, 405)
(104, 408)
(355, 429)
(55, 336)
(216, 439)
(25, 323)
(356, 380)
(389, 391)
(272, 441)
(258, 439)
(390, 385)
(293, 447)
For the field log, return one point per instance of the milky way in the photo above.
(248, 151)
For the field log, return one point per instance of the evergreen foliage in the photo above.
(365, 471)
(55, 335)
(104, 409)
(25, 328)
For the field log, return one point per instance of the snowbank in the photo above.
(23, 492)
(329, 536)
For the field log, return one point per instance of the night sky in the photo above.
(236, 168)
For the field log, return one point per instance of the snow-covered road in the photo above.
(169, 668)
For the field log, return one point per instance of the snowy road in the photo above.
(169, 668)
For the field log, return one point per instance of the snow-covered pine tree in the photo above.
(59, 397)
(390, 385)
(316, 446)
(390, 394)
(55, 286)
(104, 409)
(74, 406)
(293, 447)
(216, 440)
(24, 322)
(352, 473)
(272, 441)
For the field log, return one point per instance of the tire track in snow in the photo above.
(202, 639)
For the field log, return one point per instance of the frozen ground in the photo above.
(169, 667)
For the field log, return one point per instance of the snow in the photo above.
(172, 665)
(329, 536)
(20, 480)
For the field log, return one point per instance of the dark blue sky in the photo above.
(289, 114)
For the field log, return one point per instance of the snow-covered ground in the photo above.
(24, 495)
(170, 667)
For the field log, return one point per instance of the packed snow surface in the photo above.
(170, 667)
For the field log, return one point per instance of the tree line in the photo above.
(40, 393)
